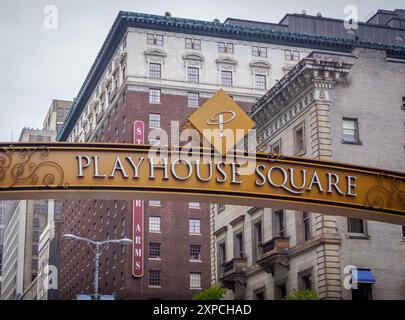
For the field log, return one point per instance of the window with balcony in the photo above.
(154, 39)
(154, 224)
(155, 70)
(195, 252)
(154, 95)
(257, 240)
(238, 245)
(194, 44)
(279, 224)
(195, 280)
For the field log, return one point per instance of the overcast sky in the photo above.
(38, 65)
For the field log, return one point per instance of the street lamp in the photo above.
(99, 246)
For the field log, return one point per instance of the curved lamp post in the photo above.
(99, 246)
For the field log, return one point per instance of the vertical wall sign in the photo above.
(137, 214)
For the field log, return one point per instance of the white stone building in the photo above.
(340, 107)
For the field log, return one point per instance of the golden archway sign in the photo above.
(123, 171)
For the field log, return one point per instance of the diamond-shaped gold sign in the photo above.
(222, 122)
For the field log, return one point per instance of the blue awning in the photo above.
(362, 276)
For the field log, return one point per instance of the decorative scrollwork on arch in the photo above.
(20, 166)
(379, 196)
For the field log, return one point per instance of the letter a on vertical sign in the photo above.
(137, 215)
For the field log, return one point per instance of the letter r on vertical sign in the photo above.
(138, 215)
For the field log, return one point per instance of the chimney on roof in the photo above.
(304, 12)
(319, 14)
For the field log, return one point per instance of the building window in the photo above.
(194, 205)
(403, 103)
(155, 70)
(154, 120)
(238, 245)
(154, 95)
(221, 257)
(155, 39)
(154, 224)
(154, 203)
(305, 280)
(194, 226)
(299, 140)
(259, 51)
(403, 231)
(226, 78)
(225, 47)
(356, 226)
(193, 99)
(279, 223)
(292, 55)
(154, 278)
(257, 240)
(220, 207)
(195, 280)
(260, 81)
(195, 252)
(276, 147)
(364, 291)
(193, 44)
(306, 226)
(193, 74)
(350, 130)
(280, 290)
(259, 294)
(154, 250)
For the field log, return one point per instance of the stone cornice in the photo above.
(316, 71)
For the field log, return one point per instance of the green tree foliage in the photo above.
(213, 293)
(302, 295)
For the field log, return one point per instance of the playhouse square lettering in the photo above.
(292, 180)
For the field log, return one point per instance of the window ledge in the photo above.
(154, 287)
(195, 234)
(358, 236)
(352, 142)
(151, 102)
(150, 231)
(195, 288)
(193, 260)
(155, 259)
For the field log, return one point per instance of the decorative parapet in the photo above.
(307, 82)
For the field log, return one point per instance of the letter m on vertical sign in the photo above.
(137, 214)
